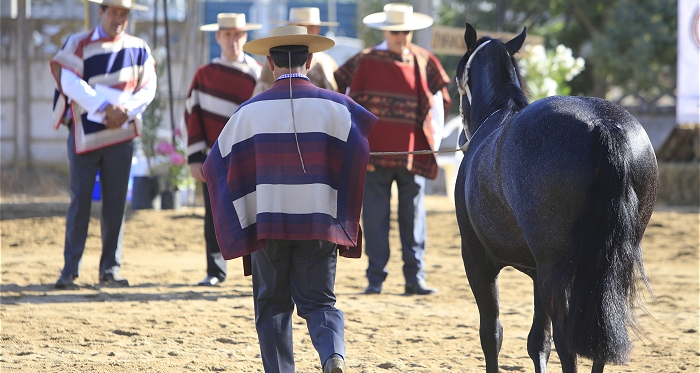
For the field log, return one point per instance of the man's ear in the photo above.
(308, 60)
(270, 64)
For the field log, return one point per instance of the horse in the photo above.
(560, 189)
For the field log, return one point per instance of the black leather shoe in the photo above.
(334, 365)
(210, 281)
(420, 288)
(66, 282)
(373, 289)
(113, 279)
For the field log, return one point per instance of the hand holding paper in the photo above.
(116, 116)
(115, 113)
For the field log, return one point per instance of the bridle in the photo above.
(463, 88)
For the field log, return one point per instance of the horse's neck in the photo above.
(499, 115)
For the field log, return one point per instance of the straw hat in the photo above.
(126, 4)
(231, 21)
(398, 17)
(305, 17)
(288, 35)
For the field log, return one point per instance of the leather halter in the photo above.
(463, 88)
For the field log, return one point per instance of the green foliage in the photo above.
(370, 36)
(637, 47)
(152, 117)
(626, 43)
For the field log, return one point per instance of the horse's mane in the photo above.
(508, 96)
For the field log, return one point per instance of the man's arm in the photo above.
(80, 91)
(144, 96)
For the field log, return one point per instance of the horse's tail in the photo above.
(595, 283)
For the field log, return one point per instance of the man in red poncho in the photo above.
(217, 89)
(404, 85)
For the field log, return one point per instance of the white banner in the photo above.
(688, 79)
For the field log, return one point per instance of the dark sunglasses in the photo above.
(397, 32)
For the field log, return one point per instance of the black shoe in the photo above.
(334, 365)
(66, 282)
(420, 288)
(211, 281)
(373, 289)
(113, 279)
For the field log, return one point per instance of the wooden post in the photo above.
(170, 72)
(23, 118)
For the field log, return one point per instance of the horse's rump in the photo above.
(593, 284)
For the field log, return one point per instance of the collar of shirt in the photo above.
(240, 59)
(383, 46)
(293, 75)
(101, 34)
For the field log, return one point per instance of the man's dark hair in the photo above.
(280, 55)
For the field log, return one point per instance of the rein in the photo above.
(462, 148)
(463, 88)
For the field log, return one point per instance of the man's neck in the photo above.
(232, 58)
(282, 71)
(385, 46)
(102, 34)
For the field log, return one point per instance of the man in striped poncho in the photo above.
(286, 182)
(215, 93)
(105, 78)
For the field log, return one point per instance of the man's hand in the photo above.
(196, 171)
(115, 115)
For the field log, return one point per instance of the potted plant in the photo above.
(177, 175)
(147, 186)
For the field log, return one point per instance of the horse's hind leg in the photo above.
(598, 367)
(539, 341)
(567, 358)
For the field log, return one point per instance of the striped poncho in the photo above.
(123, 63)
(256, 181)
(217, 89)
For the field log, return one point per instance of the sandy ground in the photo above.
(162, 323)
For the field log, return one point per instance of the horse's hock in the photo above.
(679, 167)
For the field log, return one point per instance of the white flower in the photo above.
(546, 72)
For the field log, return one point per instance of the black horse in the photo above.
(562, 190)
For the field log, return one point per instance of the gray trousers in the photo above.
(301, 273)
(216, 264)
(114, 165)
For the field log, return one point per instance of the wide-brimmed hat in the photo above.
(288, 35)
(234, 21)
(305, 16)
(398, 17)
(126, 4)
